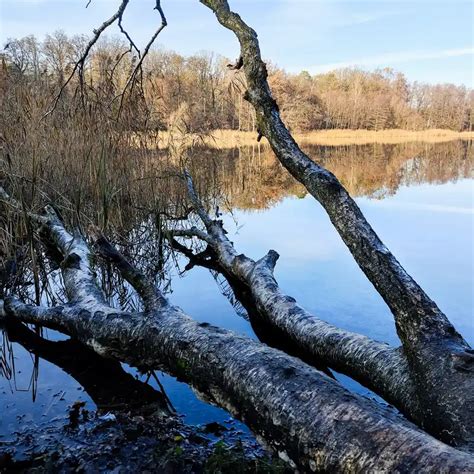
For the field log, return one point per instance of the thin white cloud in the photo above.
(392, 58)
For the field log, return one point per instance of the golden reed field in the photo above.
(226, 139)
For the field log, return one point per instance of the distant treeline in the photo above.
(200, 93)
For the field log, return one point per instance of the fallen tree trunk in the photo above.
(376, 365)
(309, 419)
(383, 369)
(441, 362)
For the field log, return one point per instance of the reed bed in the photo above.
(230, 138)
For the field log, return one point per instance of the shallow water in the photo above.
(419, 199)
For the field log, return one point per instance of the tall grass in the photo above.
(81, 159)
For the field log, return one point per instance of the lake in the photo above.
(417, 196)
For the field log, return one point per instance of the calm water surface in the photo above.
(419, 199)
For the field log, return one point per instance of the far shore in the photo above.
(233, 138)
(227, 139)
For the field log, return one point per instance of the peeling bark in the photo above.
(440, 360)
(309, 419)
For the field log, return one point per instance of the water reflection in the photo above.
(379, 170)
(104, 380)
(417, 196)
(251, 178)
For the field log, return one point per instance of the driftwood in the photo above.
(308, 418)
(441, 363)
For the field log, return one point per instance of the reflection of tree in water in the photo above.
(6, 358)
(251, 178)
(378, 170)
(248, 178)
(135, 186)
(106, 382)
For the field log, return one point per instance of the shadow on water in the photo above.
(106, 382)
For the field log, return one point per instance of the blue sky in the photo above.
(430, 41)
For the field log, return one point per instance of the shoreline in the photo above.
(337, 137)
(229, 139)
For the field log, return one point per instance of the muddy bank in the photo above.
(133, 427)
(82, 441)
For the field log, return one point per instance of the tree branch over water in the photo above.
(308, 418)
(429, 340)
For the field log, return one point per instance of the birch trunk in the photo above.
(440, 360)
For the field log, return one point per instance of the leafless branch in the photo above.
(138, 67)
(125, 33)
(79, 66)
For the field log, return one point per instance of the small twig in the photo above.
(125, 33)
(119, 60)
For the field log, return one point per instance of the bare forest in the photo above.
(200, 93)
